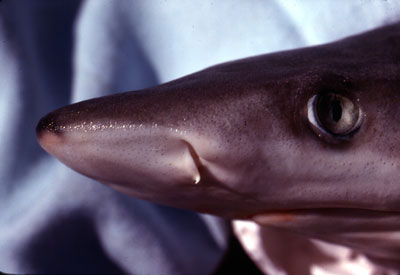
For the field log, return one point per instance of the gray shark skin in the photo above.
(239, 140)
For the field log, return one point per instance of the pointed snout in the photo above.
(121, 144)
(168, 144)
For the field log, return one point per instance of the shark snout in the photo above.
(120, 151)
(154, 145)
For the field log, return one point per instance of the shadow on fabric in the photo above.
(71, 244)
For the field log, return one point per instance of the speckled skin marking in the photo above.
(241, 130)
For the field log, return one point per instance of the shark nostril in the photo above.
(196, 179)
(196, 160)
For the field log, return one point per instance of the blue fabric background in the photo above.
(53, 53)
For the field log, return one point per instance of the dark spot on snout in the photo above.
(48, 123)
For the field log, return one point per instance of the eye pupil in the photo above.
(336, 110)
(335, 114)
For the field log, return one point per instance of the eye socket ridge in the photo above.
(334, 116)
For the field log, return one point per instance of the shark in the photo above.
(303, 141)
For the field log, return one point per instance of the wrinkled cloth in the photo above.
(53, 53)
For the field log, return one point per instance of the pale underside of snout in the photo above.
(153, 157)
(145, 160)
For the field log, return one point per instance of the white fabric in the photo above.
(302, 256)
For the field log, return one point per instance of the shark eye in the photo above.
(334, 115)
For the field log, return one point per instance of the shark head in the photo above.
(307, 140)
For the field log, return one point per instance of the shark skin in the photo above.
(306, 140)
